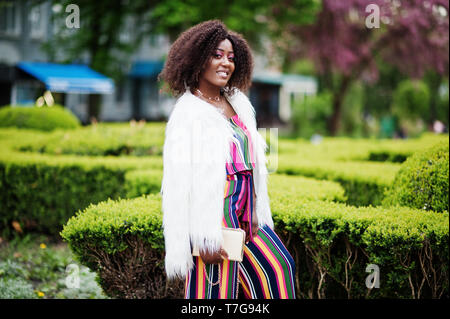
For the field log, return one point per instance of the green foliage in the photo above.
(53, 188)
(141, 182)
(340, 241)
(16, 288)
(364, 182)
(286, 187)
(34, 266)
(38, 118)
(352, 110)
(422, 181)
(411, 100)
(123, 242)
(103, 140)
(310, 114)
(442, 106)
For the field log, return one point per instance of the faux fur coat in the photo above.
(196, 150)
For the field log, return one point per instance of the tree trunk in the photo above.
(434, 82)
(94, 107)
(338, 98)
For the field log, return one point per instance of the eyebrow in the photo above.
(224, 50)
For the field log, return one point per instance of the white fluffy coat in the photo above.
(196, 150)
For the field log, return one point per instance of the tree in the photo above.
(413, 36)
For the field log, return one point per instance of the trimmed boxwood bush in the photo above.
(41, 192)
(332, 244)
(351, 149)
(422, 181)
(103, 139)
(364, 182)
(286, 187)
(38, 118)
(123, 242)
(141, 182)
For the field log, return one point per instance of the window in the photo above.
(9, 23)
(36, 18)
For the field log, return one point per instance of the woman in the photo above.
(213, 155)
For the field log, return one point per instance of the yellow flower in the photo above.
(43, 246)
(40, 294)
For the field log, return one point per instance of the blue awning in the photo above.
(146, 69)
(69, 78)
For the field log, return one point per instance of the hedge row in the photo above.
(103, 140)
(342, 161)
(41, 192)
(364, 182)
(38, 118)
(332, 244)
(350, 149)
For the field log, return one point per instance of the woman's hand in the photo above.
(215, 257)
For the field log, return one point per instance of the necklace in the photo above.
(216, 98)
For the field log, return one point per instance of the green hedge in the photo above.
(141, 182)
(422, 181)
(332, 244)
(102, 140)
(41, 191)
(351, 149)
(285, 188)
(38, 118)
(123, 242)
(364, 182)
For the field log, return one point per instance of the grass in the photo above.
(36, 266)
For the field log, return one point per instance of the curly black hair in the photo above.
(193, 49)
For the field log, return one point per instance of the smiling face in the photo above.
(220, 67)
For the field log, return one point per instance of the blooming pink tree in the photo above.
(412, 35)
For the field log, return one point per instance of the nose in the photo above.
(225, 60)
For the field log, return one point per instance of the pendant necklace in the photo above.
(212, 99)
(216, 99)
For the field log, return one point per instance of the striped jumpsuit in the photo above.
(267, 270)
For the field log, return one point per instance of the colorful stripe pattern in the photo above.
(267, 270)
(243, 157)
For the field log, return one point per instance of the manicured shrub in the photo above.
(333, 243)
(286, 187)
(40, 192)
(103, 139)
(422, 181)
(38, 118)
(141, 182)
(364, 182)
(123, 242)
